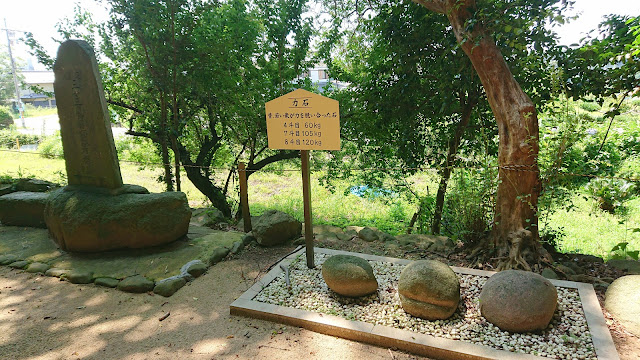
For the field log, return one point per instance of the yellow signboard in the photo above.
(302, 120)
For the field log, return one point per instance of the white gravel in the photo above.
(567, 337)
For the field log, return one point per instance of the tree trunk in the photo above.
(465, 116)
(515, 231)
(164, 148)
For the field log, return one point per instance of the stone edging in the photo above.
(421, 344)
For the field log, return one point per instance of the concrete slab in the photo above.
(407, 340)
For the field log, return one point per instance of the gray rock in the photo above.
(209, 217)
(167, 287)
(79, 277)
(623, 302)
(20, 264)
(34, 185)
(37, 267)
(565, 269)
(434, 243)
(56, 272)
(106, 282)
(90, 221)
(368, 234)
(300, 241)
(23, 209)
(136, 284)
(7, 259)
(628, 265)
(349, 275)
(276, 227)
(6, 189)
(429, 289)
(549, 274)
(218, 255)
(194, 268)
(518, 301)
(248, 238)
(236, 247)
(344, 236)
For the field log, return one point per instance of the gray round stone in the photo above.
(429, 289)
(37, 267)
(8, 259)
(79, 277)
(167, 287)
(349, 275)
(106, 282)
(56, 272)
(20, 264)
(195, 268)
(218, 255)
(136, 284)
(518, 301)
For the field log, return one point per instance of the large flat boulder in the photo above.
(87, 220)
(23, 208)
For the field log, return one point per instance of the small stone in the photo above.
(194, 268)
(349, 275)
(167, 287)
(79, 277)
(7, 259)
(276, 227)
(549, 274)
(37, 267)
(368, 234)
(56, 272)
(248, 238)
(218, 255)
(20, 264)
(136, 284)
(236, 247)
(299, 241)
(106, 282)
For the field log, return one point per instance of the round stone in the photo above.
(349, 275)
(429, 289)
(518, 301)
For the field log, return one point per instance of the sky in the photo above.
(40, 17)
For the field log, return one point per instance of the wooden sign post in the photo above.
(302, 120)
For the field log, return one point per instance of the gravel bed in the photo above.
(567, 337)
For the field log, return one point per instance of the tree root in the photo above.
(515, 260)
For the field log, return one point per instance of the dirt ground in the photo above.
(46, 318)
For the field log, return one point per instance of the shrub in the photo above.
(51, 146)
(6, 120)
(610, 193)
(8, 138)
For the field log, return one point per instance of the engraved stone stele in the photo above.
(89, 152)
(96, 212)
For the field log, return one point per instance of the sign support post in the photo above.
(306, 195)
(302, 120)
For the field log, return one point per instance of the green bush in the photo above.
(51, 146)
(610, 193)
(589, 106)
(8, 138)
(137, 150)
(6, 120)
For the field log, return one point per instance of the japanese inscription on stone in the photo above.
(302, 120)
(87, 140)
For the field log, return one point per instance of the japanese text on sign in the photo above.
(302, 120)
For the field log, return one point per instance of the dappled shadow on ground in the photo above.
(45, 318)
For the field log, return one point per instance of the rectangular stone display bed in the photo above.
(409, 340)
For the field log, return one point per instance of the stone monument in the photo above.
(96, 212)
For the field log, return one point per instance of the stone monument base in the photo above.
(91, 219)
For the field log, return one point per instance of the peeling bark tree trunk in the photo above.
(515, 232)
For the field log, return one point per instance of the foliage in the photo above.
(6, 120)
(7, 85)
(51, 146)
(620, 251)
(610, 193)
(9, 136)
